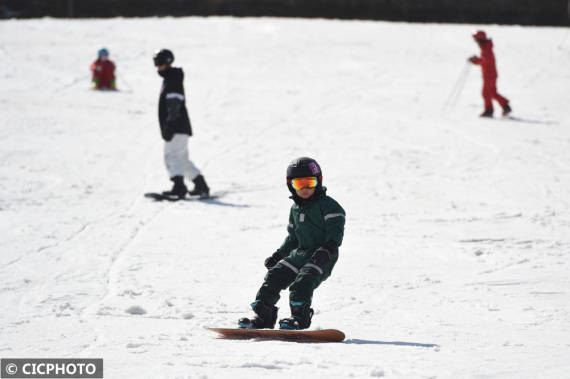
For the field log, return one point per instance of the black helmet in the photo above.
(301, 168)
(162, 57)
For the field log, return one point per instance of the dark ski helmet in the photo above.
(301, 168)
(102, 52)
(162, 57)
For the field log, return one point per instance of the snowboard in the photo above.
(162, 197)
(323, 335)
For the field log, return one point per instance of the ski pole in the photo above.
(458, 87)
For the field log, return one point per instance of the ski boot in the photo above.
(507, 109)
(488, 113)
(301, 315)
(200, 188)
(265, 317)
(179, 189)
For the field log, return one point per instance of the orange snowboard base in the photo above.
(324, 335)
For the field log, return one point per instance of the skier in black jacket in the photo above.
(175, 129)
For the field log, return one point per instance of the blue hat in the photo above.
(103, 51)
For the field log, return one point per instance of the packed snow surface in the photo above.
(456, 256)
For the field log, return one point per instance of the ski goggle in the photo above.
(308, 182)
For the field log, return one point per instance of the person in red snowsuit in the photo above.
(489, 70)
(103, 71)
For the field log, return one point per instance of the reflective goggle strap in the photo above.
(289, 265)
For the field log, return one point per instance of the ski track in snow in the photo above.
(456, 252)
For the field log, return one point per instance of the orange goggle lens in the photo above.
(308, 182)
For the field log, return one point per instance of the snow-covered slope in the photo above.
(457, 246)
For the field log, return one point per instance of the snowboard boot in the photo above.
(301, 315)
(507, 109)
(179, 189)
(488, 113)
(200, 188)
(265, 317)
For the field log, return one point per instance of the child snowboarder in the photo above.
(489, 70)
(175, 128)
(103, 70)
(308, 254)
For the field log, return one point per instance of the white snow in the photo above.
(456, 256)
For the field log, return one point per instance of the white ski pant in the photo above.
(176, 158)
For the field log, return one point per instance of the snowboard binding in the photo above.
(178, 190)
(201, 189)
(265, 317)
(301, 315)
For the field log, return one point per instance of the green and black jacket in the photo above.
(313, 224)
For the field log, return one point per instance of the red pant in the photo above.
(490, 93)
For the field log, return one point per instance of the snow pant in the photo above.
(297, 272)
(176, 158)
(490, 92)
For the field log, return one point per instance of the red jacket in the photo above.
(103, 74)
(487, 61)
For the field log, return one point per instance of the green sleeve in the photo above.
(334, 217)
(290, 242)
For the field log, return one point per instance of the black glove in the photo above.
(167, 134)
(324, 254)
(272, 260)
(472, 58)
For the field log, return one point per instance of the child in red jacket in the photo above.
(103, 71)
(489, 70)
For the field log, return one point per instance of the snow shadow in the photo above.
(530, 121)
(212, 201)
(224, 203)
(356, 341)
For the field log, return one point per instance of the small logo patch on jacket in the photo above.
(301, 217)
